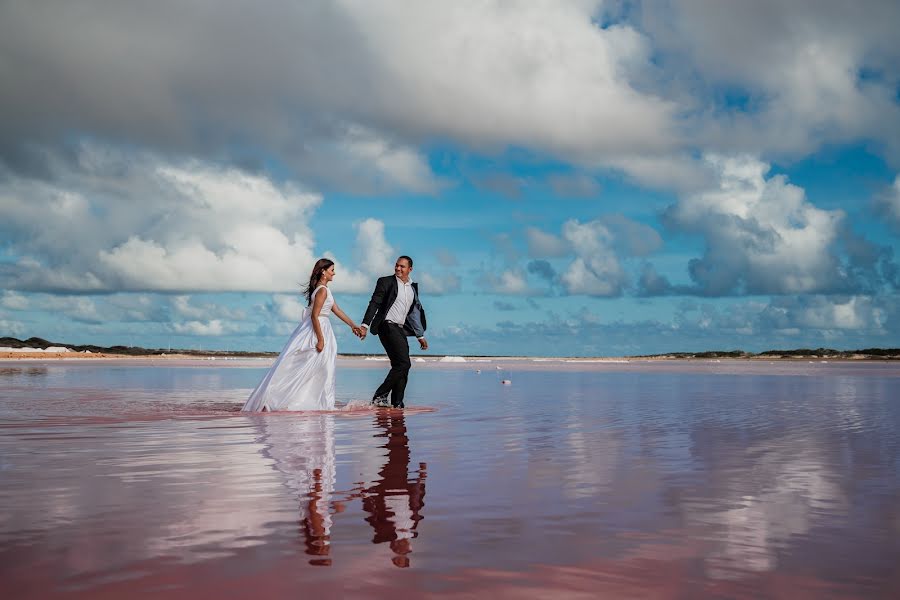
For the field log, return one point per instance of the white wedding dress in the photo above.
(301, 378)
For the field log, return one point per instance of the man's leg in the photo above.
(393, 338)
(399, 389)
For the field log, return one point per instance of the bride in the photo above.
(302, 377)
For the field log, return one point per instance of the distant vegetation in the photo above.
(36, 342)
(867, 353)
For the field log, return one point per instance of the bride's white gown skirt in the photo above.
(301, 378)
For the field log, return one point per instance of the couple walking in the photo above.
(302, 377)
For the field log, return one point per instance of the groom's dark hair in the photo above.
(408, 259)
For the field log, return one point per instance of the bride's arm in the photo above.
(318, 301)
(342, 315)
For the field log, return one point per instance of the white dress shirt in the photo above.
(400, 308)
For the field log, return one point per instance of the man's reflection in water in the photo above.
(394, 503)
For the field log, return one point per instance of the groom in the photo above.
(394, 313)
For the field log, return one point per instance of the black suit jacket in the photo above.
(383, 298)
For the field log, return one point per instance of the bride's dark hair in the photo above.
(321, 265)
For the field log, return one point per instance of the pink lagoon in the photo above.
(577, 479)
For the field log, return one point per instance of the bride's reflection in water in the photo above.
(394, 502)
(302, 449)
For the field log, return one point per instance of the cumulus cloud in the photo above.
(374, 254)
(596, 270)
(288, 307)
(841, 313)
(812, 321)
(14, 301)
(791, 320)
(652, 283)
(888, 203)
(597, 247)
(184, 307)
(340, 92)
(509, 281)
(369, 158)
(14, 329)
(112, 221)
(762, 235)
(446, 283)
(786, 77)
(346, 93)
(632, 238)
(214, 327)
(542, 269)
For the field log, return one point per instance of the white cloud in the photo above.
(343, 92)
(863, 313)
(510, 281)
(631, 237)
(14, 329)
(596, 270)
(762, 235)
(183, 308)
(214, 327)
(349, 93)
(374, 255)
(288, 307)
(447, 283)
(888, 203)
(386, 165)
(507, 74)
(14, 301)
(134, 222)
(803, 73)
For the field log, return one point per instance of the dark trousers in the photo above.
(393, 338)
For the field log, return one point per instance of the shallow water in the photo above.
(668, 480)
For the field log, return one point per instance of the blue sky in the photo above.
(571, 178)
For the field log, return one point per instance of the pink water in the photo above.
(620, 480)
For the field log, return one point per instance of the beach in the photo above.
(577, 478)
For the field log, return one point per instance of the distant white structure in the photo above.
(453, 359)
(419, 359)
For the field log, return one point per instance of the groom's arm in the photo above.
(374, 303)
